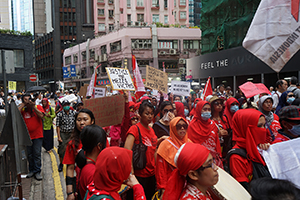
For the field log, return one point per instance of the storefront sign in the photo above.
(120, 78)
(156, 79)
(181, 88)
(12, 86)
(107, 110)
(100, 92)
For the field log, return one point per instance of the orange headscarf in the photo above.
(246, 134)
(166, 149)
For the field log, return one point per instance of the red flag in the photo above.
(137, 79)
(251, 89)
(90, 89)
(207, 89)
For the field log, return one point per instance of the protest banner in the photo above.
(83, 90)
(156, 79)
(12, 86)
(107, 110)
(100, 92)
(283, 160)
(120, 78)
(69, 98)
(181, 88)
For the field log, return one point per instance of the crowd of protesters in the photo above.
(186, 138)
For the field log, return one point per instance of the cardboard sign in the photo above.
(180, 88)
(156, 79)
(107, 110)
(83, 90)
(69, 98)
(100, 92)
(120, 78)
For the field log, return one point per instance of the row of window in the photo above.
(137, 44)
(103, 1)
(68, 30)
(67, 17)
(67, 3)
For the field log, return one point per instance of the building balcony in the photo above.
(155, 8)
(140, 7)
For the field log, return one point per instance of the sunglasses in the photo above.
(135, 118)
(218, 103)
(291, 95)
(179, 126)
(170, 110)
(234, 104)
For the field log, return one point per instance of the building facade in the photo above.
(113, 14)
(22, 15)
(21, 48)
(5, 16)
(72, 23)
(158, 47)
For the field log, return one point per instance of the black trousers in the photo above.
(149, 185)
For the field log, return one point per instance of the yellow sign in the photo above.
(12, 86)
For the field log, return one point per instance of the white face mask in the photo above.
(166, 117)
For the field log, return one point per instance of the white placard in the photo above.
(100, 92)
(69, 98)
(180, 88)
(283, 160)
(120, 78)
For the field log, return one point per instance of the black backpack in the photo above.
(259, 170)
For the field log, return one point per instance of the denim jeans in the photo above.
(34, 155)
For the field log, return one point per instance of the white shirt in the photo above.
(275, 98)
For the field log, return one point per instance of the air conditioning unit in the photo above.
(172, 51)
(137, 23)
(198, 52)
(181, 61)
(104, 57)
(185, 52)
(162, 53)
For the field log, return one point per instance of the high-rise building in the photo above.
(72, 22)
(5, 17)
(112, 14)
(22, 15)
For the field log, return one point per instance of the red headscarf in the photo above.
(180, 109)
(199, 127)
(189, 157)
(192, 113)
(246, 133)
(227, 112)
(166, 150)
(46, 109)
(113, 167)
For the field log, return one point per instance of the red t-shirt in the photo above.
(33, 122)
(241, 168)
(86, 177)
(163, 172)
(150, 140)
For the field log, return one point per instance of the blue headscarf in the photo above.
(282, 101)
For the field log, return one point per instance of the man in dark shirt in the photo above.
(289, 118)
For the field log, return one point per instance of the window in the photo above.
(141, 44)
(140, 3)
(68, 60)
(183, 15)
(175, 15)
(128, 3)
(175, 3)
(101, 27)
(110, 13)
(73, 3)
(155, 18)
(140, 17)
(115, 47)
(70, 30)
(182, 2)
(103, 49)
(165, 3)
(101, 12)
(110, 1)
(191, 44)
(19, 58)
(166, 21)
(167, 44)
(155, 3)
(100, 1)
(83, 56)
(92, 53)
(75, 58)
(111, 27)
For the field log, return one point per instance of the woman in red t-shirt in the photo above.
(145, 176)
(203, 131)
(93, 139)
(83, 118)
